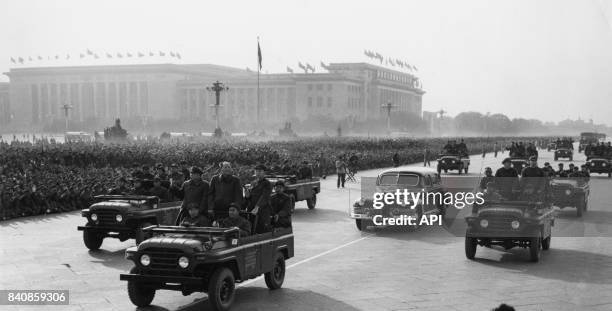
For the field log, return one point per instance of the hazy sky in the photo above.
(548, 59)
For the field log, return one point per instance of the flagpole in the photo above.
(258, 69)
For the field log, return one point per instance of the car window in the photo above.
(388, 179)
(408, 180)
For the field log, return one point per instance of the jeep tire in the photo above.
(140, 295)
(221, 289)
(546, 243)
(535, 248)
(92, 240)
(470, 247)
(274, 279)
(312, 201)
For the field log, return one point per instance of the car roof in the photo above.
(412, 170)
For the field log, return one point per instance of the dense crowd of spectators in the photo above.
(47, 177)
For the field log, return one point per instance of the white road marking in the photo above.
(310, 258)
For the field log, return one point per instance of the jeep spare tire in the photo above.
(312, 201)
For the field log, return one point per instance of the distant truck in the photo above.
(297, 189)
(587, 138)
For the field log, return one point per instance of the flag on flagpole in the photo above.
(178, 55)
(162, 53)
(259, 58)
(39, 58)
(89, 52)
(30, 58)
(108, 55)
(67, 56)
(119, 55)
(20, 60)
(140, 54)
(13, 61)
(151, 54)
(303, 67)
(171, 54)
(289, 70)
(128, 54)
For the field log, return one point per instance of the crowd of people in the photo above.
(48, 177)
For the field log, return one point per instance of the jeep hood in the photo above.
(514, 210)
(188, 244)
(120, 207)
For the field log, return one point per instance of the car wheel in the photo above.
(141, 235)
(466, 169)
(535, 248)
(470, 247)
(292, 202)
(274, 279)
(546, 243)
(92, 240)
(361, 225)
(460, 169)
(221, 289)
(312, 202)
(140, 295)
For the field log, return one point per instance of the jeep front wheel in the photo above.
(535, 248)
(92, 240)
(312, 202)
(470, 247)
(221, 289)
(546, 243)
(360, 225)
(140, 295)
(274, 279)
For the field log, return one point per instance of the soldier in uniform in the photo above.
(486, 179)
(462, 148)
(561, 172)
(195, 191)
(176, 183)
(194, 218)
(259, 199)
(506, 178)
(548, 170)
(305, 171)
(158, 190)
(281, 206)
(121, 187)
(139, 188)
(532, 177)
(234, 220)
(225, 189)
(146, 173)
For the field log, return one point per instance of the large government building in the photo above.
(172, 91)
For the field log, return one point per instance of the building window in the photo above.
(329, 87)
(329, 102)
(309, 102)
(310, 87)
(319, 102)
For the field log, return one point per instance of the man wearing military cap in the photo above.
(533, 176)
(195, 190)
(121, 187)
(176, 183)
(487, 179)
(139, 188)
(259, 199)
(506, 178)
(158, 190)
(225, 189)
(280, 204)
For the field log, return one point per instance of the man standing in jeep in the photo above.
(281, 206)
(225, 189)
(259, 199)
(195, 191)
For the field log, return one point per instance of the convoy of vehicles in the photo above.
(449, 162)
(587, 138)
(570, 192)
(564, 149)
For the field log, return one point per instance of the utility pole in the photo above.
(66, 108)
(217, 88)
(388, 106)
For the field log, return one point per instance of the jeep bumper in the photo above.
(162, 279)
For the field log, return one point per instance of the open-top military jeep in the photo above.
(564, 150)
(211, 260)
(298, 189)
(123, 217)
(600, 165)
(523, 221)
(449, 162)
(571, 192)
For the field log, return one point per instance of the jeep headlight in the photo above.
(183, 262)
(119, 218)
(484, 223)
(145, 260)
(515, 224)
(603, 164)
(94, 217)
(568, 192)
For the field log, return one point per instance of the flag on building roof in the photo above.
(289, 70)
(140, 54)
(302, 66)
(13, 61)
(128, 54)
(162, 53)
(119, 55)
(310, 67)
(178, 55)
(151, 54)
(20, 60)
(96, 56)
(108, 55)
(40, 58)
(89, 52)
(172, 54)
(67, 56)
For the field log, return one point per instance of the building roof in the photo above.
(412, 169)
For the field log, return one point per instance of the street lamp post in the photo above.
(66, 107)
(217, 88)
(388, 106)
